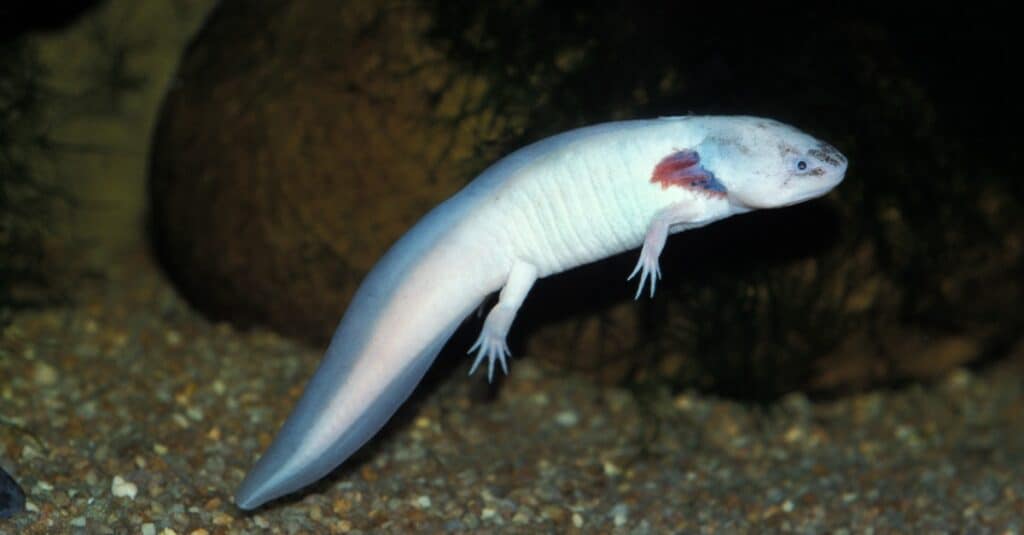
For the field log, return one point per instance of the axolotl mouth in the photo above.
(830, 155)
(829, 171)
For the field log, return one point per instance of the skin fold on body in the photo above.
(561, 202)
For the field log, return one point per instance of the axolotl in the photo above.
(561, 202)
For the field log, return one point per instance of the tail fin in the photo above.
(345, 404)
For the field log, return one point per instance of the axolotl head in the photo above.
(762, 163)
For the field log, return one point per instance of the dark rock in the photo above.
(298, 141)
(12, 498)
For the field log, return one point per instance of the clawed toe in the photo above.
(649, 271)
(493, 349)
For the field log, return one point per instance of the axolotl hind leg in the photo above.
(491, 344)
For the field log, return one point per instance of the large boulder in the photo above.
(297, 142)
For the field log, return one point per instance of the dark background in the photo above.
(924, 104)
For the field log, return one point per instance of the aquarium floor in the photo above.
(128, 412)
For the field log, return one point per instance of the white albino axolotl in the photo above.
(564, 201)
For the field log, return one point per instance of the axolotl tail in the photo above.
(324, 430)
(407, 308)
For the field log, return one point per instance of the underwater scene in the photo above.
(509, 267)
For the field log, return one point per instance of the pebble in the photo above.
(173, 338)
(567, 418)
(610, 469)
(620, 514)
(44, 374)
(12, 498)
(561, 454)
(553, 512)
(121, 488)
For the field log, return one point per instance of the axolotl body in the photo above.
(561, 202)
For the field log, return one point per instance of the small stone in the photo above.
(368, 474)
(959, 378)
(787, 506)
(222, 519)
(567, 418)
(610, 469)
(44, 374)
(168, 531)
(620, 514)
(159, 449)
(61, 499)
(172, 338)
(341, 506)
(179, 419)
(683, 402)
(487, 513)
(553, 512)
(78, 522)
(148, 529)
(28, 452)
(423, 502)
(577, 520)
(795, 434)
(797, 403)
(123, 489)
(199, 531)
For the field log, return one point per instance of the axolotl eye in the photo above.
(798, 164)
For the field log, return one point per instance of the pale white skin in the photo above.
(562, 202)
(547, 219)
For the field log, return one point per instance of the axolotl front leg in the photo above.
(679, 169)
(654, 242)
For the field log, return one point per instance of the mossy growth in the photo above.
(28, 201)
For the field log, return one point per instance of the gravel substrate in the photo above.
(128, 412)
